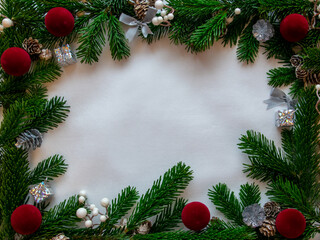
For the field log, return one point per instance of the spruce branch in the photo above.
(205, 35)
(282, 76)
(48, 169)
(267, 162)
(249, 194)
(311, 59)
(248, 46)
(170, 217)
(117, 41)
(164, 191)
(226, 202)
(92, 39)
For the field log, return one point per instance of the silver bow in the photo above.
(135, 25)
(277, 98)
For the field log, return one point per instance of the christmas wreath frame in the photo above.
(291, 172)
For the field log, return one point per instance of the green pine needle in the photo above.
(249, 194)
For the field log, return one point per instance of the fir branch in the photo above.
(58, 219)
(164, 191)
(234, 30)
(226, 202)
(311, 59)
(159, 32)
(266, 161)
(50, 115)
(48, 169)
(248, 46)
(205, 35)
(170, 217)
(92, 39)
(282, 76)
(249, 194)
(117, 41)
(43, 72)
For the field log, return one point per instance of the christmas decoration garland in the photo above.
(33, 31)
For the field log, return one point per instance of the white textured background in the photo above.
(130, 121)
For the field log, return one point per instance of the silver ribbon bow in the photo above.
(135, 25)
(277, 98)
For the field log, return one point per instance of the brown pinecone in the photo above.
(312, 78)
(272, 209)
(268, 228)
(301, 73)
(296, 60)
(140, 8)
(60, 237)
(32, 46)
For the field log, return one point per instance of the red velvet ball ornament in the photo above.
(59, 21)
(195, 216)
(294, 27)
(26, 219)
(290, 223)
(15, 61)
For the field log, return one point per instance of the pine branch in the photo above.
(58, 219)
(163, 192)
(117, 41)
(234, 30)
(226, 202)
(311, 59)
(266, 161)
(159, 32)
(282, 76)
(48, 169)
(248, 46)
(205, 35)
(92, 39)
(170, 217)
(249, 194)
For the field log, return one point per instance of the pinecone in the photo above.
(144, 228)
(32, 46)
(296, 60)
(60, 237)
(141, 8)
(301, 73)
(29, 139)
(268, 227)
(272, 209)
(307, 76)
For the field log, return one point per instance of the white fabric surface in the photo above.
(132, 120)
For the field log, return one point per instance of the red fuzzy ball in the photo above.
(59, 21)
(26, 219)
(294, 27)
(195, 216)
(15, 61)
(290, 223)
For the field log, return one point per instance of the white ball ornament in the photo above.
(160, 19)
(82, 199)
(103, 218)
(163, 13)
(92, 206)
(170, 16)
(155, 21)
(159, 4)
(318, 8)
(7, 22)
(318, 87)
(95, 212)
(105, 202)
(88, 223)
(83, 193)
(1, 28)
(165, 18)
(81, 213)
(237, 11)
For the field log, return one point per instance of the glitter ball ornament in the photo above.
(291, 223)
(15, 61)
(40, 192)
(253, 215)
(59, 22)
(263, 30)
(195, 216)
(294, 27)
(285, 118)
(26, 219)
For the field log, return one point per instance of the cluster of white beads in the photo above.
(6, 23)
(164, 15)
(83, 212)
